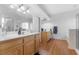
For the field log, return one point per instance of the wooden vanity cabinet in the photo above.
(29, 45)
(32, 44)
(18, 50)
(11, 47)
(44, 37)
(37, 42)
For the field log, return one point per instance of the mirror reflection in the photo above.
(11, 20)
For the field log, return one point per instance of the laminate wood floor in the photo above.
(56, 47)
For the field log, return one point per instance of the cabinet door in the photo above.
(4, 45)
(37, 42)
(29, 48)
(29, 45)
(44, 37)
(18, 50)
(37, 45)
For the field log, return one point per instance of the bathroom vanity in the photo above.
(26, 44)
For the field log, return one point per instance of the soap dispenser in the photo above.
(19, 31)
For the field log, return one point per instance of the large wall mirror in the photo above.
(10, 24)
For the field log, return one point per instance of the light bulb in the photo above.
(28, 11)
(22, 7)
(11, 6)
(24, 12)
(19, 10)
(3, 20)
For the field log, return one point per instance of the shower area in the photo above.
(74, 34)
(77, 31)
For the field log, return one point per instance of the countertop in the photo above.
(13, 36)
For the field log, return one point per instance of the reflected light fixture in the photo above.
(24, 12)
(22, 7)
(28, 11)
(3, 20)
(19, 9)
(11, 6)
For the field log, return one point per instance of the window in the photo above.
(25, 25)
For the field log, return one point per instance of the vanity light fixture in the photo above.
(19, 9)
(28, 11)
(3, 20)
(22, 8)
(14, 6)
(24, 12)
(11, 6)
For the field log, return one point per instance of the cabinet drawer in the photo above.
(38, 36)
(10, 43)
(28, 38)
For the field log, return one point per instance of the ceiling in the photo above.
(38, 10)
(54, 9)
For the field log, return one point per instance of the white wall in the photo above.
(65, 22)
